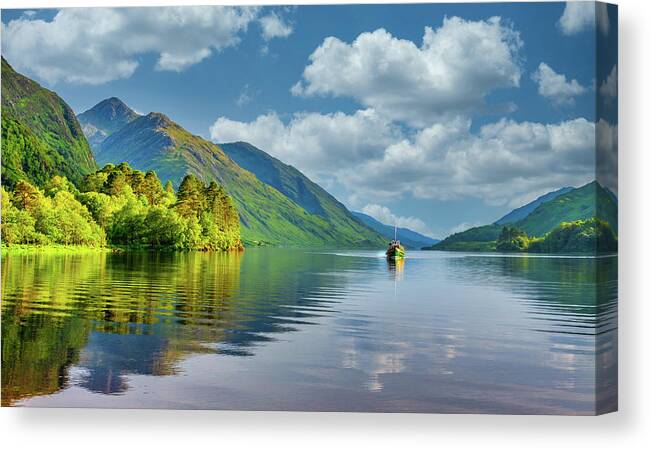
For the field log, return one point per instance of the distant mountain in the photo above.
(522, 212)
(409, 238)
(41, 136)
(591, 200)
(104, 119)
(299, 188)
(588, 201)
(154, 142)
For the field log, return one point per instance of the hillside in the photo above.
(299, 188)
(521, 212)
(407, 237)
(104, 119)
(583, 203)
(41, 136)
(586, 202)
(154, 142)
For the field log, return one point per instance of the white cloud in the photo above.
(556, 87)
(608, 88)
(319, 144)
(97, 45)
(464, 226)
(579, 16)
(384, 215)
(377, 161)
(245, 97)
(452, 71)
(273, 25)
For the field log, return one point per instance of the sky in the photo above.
(434, 117)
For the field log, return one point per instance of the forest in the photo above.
(120, 207)
(591, 235)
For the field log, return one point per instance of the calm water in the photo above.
(276, 329)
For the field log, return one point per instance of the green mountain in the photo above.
(41, 136)
(299, 188)
(154, 142)
(407, 237)
(104, 119)
(586, 202)
(522, 212)
(583, 203)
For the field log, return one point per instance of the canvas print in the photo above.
(353, 208)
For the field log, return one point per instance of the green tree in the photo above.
(512, 239)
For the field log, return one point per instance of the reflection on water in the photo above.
(299, 330)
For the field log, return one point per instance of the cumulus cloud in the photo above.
(608, 88)
(273, 25)
(384, 215)
(579, 16)
(556, 87)
(378, 161)
(452, 71)
(97, 45)
(319, 144)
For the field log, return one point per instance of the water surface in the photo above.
(277, 329)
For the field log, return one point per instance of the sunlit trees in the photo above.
(121, 206)
(512, 239)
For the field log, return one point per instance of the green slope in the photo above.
(589, 201)
(104, 119)
(154, 142)
(583, 203)
(299, 188)
(41, 136)
(521, 212)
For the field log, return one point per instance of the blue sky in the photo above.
(484, 133)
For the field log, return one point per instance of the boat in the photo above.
(396, 250)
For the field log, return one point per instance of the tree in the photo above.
(190, 196)
(26, 196)
(512, 239)
(17, 224)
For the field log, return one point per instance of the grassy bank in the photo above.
(53, 249)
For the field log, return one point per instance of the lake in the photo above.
(280, 329)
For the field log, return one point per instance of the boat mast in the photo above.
(395, 232)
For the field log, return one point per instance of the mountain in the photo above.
(104, 119)
(296, 186)
(522, 212)
(155, 142)
(41, 136)
(591, 200)
(588, 201)
(409, 238)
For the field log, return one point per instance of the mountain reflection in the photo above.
(114, 315)
(438, 332)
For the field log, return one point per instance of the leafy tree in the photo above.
(512, 239)
(17, 225)
(122, 206)
(191, 197)
(592, 235)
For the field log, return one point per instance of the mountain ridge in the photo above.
(521, 212)
(41, 135)
(292, 183)
(582, 203)
(104, 119)
(156, 142)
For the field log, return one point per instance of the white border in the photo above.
(629, 428)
